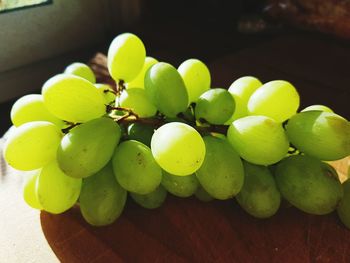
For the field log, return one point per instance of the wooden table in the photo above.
(187, 230)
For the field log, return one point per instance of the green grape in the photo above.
(87, 148)
(258, 139)
(215, 106)
(259, 195)
(276, 99)
(166, 89)
(308, 184)
(221, 173)
(72, 98)
(317, 107)
(136, 99)
(29, 190)
(196, 76)
(102, 199)
(178, 148)
(81, 70)
(181, 186)
(323, 135)
(151, 200)
(32, 145)
(106, 92)
(343, 208)
(126, 56)
(140, 132)
(56, 191)
(139, 81)
(135, 168)
(203, 195)
(32, 108)
(241, 90)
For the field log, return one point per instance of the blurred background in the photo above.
(303, 41)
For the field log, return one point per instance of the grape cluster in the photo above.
(162, 129)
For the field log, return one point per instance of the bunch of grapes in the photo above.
(162, 129)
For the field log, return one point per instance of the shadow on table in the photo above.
(191, 231)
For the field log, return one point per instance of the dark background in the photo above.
(224, 35)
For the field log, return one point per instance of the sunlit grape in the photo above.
(138, 82)
(81, 70)
(32, 108)
(166, 89)
(178, 148)
(196, 76)
(56, 191)
(215, 106)
(317, 107)
(73, 98)
(277, 99)
(32, 145)
(126, 56)
(88, 147)
(323, 135)
(241, 90)
(258, 139)
(106, 92)
(136, 99)
(29, 189)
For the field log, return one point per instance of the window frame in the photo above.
(47, 2)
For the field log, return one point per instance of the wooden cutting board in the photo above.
(182, 230)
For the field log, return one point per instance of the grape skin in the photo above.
(73, 98)
(215, 106)
(88, 147)
(136, 99)
(323, 135)
(32, 145)
(31, 107)
(258, 139)
(102, 199)
(221, 174)
(178, 148)
(139, 81)
(56, 191)
(277, 99)
(81, 70)
(126, 56)
(166, 89)
(135, 168)
(241, 90)
(196, 76)
(29, 189)
(181, 186)
(151, 200)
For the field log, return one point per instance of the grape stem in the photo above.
(120, 86)
(109, 91)
(71, 126)
(157, 121)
